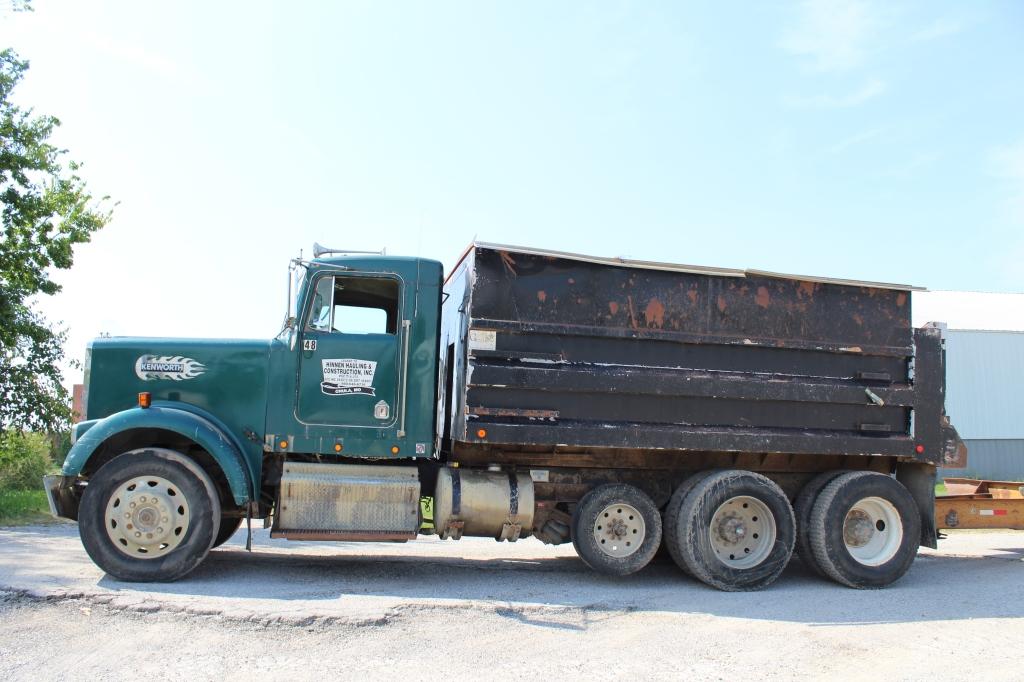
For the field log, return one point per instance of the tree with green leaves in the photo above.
(46, 211)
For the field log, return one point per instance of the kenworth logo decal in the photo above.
(176, 368)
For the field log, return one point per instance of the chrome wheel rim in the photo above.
(742, 532)
(147, 517)
(619, 530)
(873, 531)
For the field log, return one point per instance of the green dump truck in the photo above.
(729, 417)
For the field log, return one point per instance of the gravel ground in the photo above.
(460, 610)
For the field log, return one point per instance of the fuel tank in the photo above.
(490, 504)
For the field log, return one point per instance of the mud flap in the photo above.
(919, 479)
(248, 526)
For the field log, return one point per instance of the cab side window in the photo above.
(355, 305)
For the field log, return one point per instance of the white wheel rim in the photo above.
(873, 531)
(742, 532)
(147, 517)
(619, 530)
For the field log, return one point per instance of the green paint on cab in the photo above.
(353, 374)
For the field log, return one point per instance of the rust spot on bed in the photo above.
(613, 307)
(632, 312)
(542, 296)
(692, 295)
(763, 298)
(858, 319)
(655, 313)
(721, 303)
(901, 299)
(508, 261)
(806, 289)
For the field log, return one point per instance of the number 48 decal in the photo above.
(309, 344)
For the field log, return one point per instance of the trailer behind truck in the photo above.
(727, 417)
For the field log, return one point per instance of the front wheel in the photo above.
(229, 525)
(149, 515)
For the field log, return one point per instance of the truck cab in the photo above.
(350, 377)
(354, 371)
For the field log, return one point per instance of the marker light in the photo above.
(283, 444)
(145, 399)
(337, 447)
(394, 449)
(481, 433)
(919, 449)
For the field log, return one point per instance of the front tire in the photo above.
(149, 515)
(229, 525)
(616, 529)
(865, 530)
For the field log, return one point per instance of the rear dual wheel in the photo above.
(864, 530)
(670, 538)
(733, 530)
(802, 509)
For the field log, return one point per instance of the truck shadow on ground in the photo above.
(937, 587)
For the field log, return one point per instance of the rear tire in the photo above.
(149, 515)
(670, 535)
(865, 530)
(736, 531)
(802, 510)
(616, 529)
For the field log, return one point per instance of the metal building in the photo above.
(984, 380)
(984, 376)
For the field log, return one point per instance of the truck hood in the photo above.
(227, 377)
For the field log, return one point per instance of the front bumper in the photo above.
(63, 494)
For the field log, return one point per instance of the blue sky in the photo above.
(852, 139)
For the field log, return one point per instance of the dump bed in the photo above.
(559, 352)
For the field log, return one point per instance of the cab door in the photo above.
(350, 352)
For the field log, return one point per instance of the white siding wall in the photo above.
(999, 460)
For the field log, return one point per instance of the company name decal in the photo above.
(348, 376)
(173, 367)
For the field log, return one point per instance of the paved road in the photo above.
(306, 610)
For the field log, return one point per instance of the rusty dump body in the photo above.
(568, 361)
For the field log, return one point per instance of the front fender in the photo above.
(197, 428)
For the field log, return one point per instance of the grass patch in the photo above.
(22, 507)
